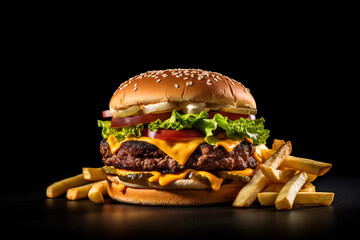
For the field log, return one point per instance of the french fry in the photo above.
(277, 143)
(315, 198)
(273, 187)
(248, 193)
(308, 187)
(79, 192)
(307, 165)
(97, 191)
(60, 187)
(280, 155)
(311, 177)
(302, 198)
(259, 148)
(94, 174)
(287, 194)
(277, 176)
(300, 164)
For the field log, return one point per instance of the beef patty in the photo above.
(143, 156)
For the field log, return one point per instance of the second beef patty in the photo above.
(143, 156)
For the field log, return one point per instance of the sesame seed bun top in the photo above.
(181, 85)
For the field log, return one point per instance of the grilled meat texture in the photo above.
(143, 156)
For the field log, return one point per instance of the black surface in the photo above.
(52, 218)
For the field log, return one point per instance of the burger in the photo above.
(180, 137)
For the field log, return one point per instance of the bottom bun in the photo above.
(172, 197)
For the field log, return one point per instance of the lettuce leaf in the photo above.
(125, 132)
(243, 127)
(236, 130)
(178, 121)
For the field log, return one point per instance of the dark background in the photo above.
(302, 81)
(61, 68)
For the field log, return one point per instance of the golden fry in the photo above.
(287, 194)
(94, 174)
(79, 192)
(307, 165)
(277, 176)
(308, 187)
(302, 198)
(97, 191)
(248, 193)
(273, 187)
(60, 187)
(277, 143)
(300, 164)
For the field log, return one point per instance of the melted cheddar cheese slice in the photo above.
(179, 150)
(166, 179)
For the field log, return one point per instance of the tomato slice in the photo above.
(231, 116)
(106, 114)
(145, 118)
(173, 134)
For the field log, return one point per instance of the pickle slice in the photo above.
(135, 176)
(198, 177)
(233, 176)
(109, 170)
(128, 177)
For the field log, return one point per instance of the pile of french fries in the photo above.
(91, 183)
(282, 180)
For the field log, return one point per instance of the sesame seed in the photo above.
(135, 89)
(159, 80)
(136, 84)
(208, 83)
(186, 78)
(190, 83)
(177, 86)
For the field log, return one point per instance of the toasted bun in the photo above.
(172, 197)
(181, 85)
